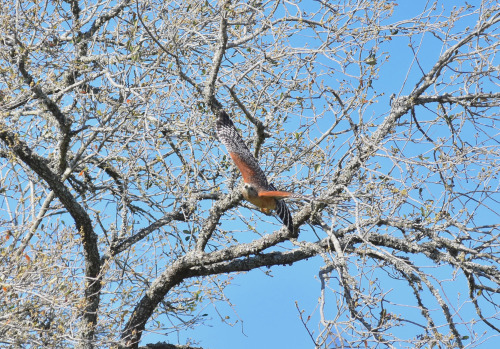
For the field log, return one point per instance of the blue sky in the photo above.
(266, 306)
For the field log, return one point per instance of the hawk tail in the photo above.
(284, 214)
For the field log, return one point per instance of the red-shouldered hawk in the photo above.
(256, 189)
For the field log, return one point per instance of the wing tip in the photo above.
(223, 118)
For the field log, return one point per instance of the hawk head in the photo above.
(249, 191)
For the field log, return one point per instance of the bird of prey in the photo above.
(256, 189)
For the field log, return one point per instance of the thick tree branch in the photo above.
(209, 91)
(479, 100)
(83, 224)
(167, 346)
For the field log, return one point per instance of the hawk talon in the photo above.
(266, 211)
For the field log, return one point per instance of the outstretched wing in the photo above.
(275, 194)
(278, 194)
(239, 152)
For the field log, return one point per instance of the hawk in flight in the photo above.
(256, 189)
